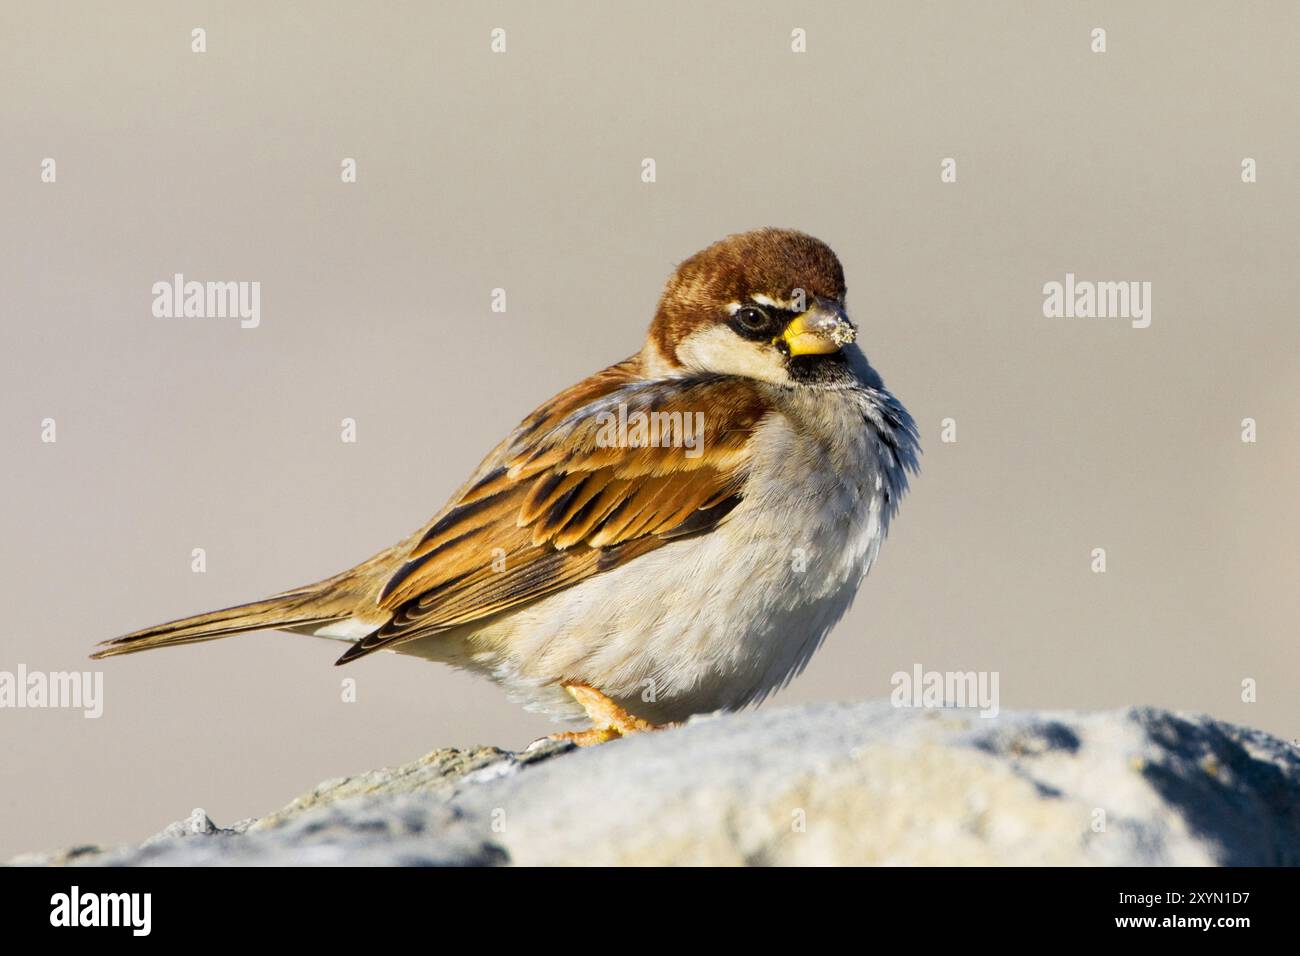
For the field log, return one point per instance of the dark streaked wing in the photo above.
(559, 502)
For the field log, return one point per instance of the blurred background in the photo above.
(522, 170)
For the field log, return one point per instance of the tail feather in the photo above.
(292, 609)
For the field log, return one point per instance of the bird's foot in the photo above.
(609, 720)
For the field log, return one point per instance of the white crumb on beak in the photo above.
(836, 328)
(843, 333)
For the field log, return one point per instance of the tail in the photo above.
(293, 609)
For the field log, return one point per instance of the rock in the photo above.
(828, 784)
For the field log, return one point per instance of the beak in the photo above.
(819, 331)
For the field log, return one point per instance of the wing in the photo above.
(610, 470)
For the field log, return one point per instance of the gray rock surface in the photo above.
(828, 784)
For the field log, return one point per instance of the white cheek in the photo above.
(718, 349)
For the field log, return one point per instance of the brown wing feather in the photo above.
(556, 504)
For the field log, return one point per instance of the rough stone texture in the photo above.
(829, 784)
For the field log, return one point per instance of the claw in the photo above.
(609, 720)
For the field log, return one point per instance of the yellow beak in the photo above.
(818, 332)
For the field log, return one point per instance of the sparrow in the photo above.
(674, 535)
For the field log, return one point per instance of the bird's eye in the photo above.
(753, 319)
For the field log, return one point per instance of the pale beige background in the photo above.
(522, 171)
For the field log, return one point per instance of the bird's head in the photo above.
(767, 304)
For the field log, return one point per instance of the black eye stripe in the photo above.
(760, 322)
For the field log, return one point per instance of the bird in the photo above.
(674, 535)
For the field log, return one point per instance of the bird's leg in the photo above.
(608, 719)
